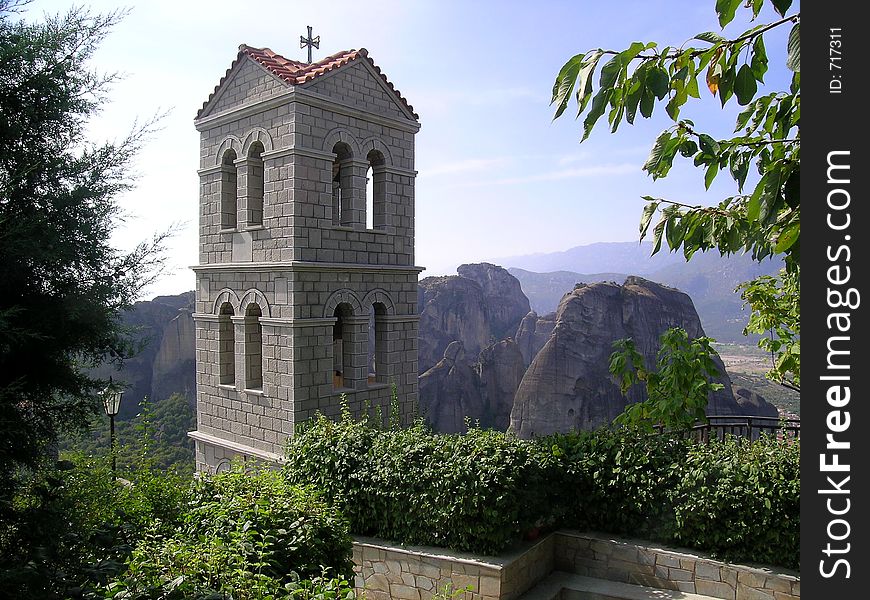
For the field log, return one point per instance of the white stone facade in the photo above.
(290, 280)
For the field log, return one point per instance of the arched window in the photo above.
(229, 190)
(253, 348)
(255, 185)
(376, 191)
(342, 203)
(342, 347)
(226, 346)
(377, 361)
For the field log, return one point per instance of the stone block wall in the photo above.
(642, 563)
(384, 571)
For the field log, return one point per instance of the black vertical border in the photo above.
(833, 122)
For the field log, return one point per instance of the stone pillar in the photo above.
(250, 186)
(353, 193)
(356, 334)
(239, 354)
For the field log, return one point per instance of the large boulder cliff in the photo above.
(533, 333)
(506, 304)
(165, 363)
(470, 367)
(449, 392)
(567, 385)
(481, 305)
(452, 309)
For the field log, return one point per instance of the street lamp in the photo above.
(112, 403)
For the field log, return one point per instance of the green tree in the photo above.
(677, 390)
(762, 218)
(64, 285)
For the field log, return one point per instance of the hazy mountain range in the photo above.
(708, 278)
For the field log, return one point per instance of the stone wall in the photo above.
(387, 571)
(643, 563)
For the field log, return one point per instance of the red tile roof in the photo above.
(296, 73)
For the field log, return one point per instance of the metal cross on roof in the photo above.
(310, 42)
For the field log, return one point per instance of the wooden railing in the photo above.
(720, 426)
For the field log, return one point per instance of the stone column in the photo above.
(250, 186)
(353, 193)
(356, 334)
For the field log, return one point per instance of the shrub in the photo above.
(476, 492)
(480, 491)
(615, 481)
(72, 527)
(248, 534)
(741, 500)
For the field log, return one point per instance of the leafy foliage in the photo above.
(763, 220)
(483, 490)
(776, 313)
(247, 534)
(741, 500)
(72, 527)
(155, 438)
(615, 481)
(677, 390)
(64, 284)
(475, 492)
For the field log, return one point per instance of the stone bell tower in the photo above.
(306, 284)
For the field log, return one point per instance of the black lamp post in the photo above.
(112, 403)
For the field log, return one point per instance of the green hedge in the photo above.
(483, 490)
(475, 492)
(741, 500)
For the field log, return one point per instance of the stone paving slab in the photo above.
(561, 585)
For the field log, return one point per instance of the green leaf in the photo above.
(584, 80)
(610, 72)
(745, 87)
(708, 144)
(657, 235)
(565, 80)
(658, 82)
(565, 83)
(688, 148)
(759, 59)
(648, 212)
(726, 9)
(709, 36)
(647, 102)
(599, 105)
(788, 237)
(753, 207)
(675, 231)
(793, 61)
(781, 6)
(655, 155)
(632, 100)
(710, 175)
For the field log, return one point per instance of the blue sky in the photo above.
(497, 177)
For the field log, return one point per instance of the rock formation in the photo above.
(165, 363)
(452, 309)
(501, 370)
(752, 403)
(481, 305)
(568, 386)
(450, 391)
(533, 333)
(506, 304)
